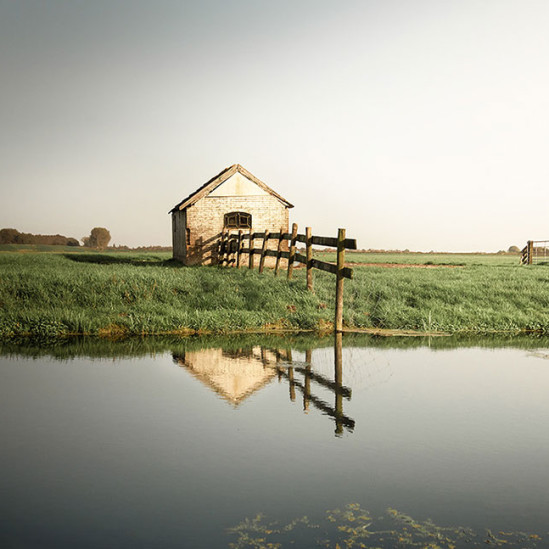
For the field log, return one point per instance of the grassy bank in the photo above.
(123, 293)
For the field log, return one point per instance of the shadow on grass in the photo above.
(118, 259)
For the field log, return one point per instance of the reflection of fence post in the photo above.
(307, 388)
(338, 378)
(530, 252)
(251, 251)
(309, 253)
(292, 251)
(339, 280)
(279, 250)
(238, 249)
(307, 382)
(263, 250)
(291, 380)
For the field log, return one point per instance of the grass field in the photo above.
(418, 258)
(49, 294)
(22, 248)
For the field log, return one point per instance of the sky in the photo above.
(414, 124)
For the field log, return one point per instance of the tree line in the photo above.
(99, 238)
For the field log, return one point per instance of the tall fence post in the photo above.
(339, 280)
(251, 251)
(279, 250)
(530, 252)
(309, 244)
(292, 251)
(263, 250)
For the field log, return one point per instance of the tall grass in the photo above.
(122, 293)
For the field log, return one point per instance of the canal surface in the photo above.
(184, 444)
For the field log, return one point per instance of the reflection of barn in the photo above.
(234, 200)
(232, 375)
(235, 375)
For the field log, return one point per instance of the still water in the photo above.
(173, 446)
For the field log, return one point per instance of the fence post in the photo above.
(530, 252)
(309, 254)
(263, 250)
(219, 248)
(279, 250)
(222, 249)
(292, 251)
(339, 280)
(227, 251)
(251, 251)
(238, 249)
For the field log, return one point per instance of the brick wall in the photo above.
(205, 223)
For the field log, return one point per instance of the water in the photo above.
(172, 447)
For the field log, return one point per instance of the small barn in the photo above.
(232, 200)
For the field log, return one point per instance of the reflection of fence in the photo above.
(340, 391)
(236, 374)
(232, 247)
(535, 251)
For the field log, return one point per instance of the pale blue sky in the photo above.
(420, 124)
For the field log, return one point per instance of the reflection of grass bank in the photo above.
(120, 294)
(353, 526)
(133, 346)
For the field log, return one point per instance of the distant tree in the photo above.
(99, 238)
(514, 250)
(86, 241)
(8, 236)
(72, 242)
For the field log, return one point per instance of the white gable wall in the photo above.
(238, 185)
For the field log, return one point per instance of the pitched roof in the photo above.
(220, 178)
(234, 378)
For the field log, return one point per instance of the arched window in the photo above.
(238, 220)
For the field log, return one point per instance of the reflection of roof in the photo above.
(220, 178)
(234, 377)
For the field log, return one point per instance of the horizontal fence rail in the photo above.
(234, 244)
(535, 251)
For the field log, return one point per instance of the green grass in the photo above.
(22, 248)
(126, 293)
(419, 258)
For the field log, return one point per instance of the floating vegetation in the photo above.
(354, 527)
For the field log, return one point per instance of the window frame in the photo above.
(242, 220)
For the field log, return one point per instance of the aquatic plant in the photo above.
(354, 527)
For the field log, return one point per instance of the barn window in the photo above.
(188, 237)
(238, 220)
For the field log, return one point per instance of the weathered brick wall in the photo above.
(205, 222)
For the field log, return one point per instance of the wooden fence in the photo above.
(232, 247)
(535, 251)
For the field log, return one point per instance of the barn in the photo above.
(232, 200)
